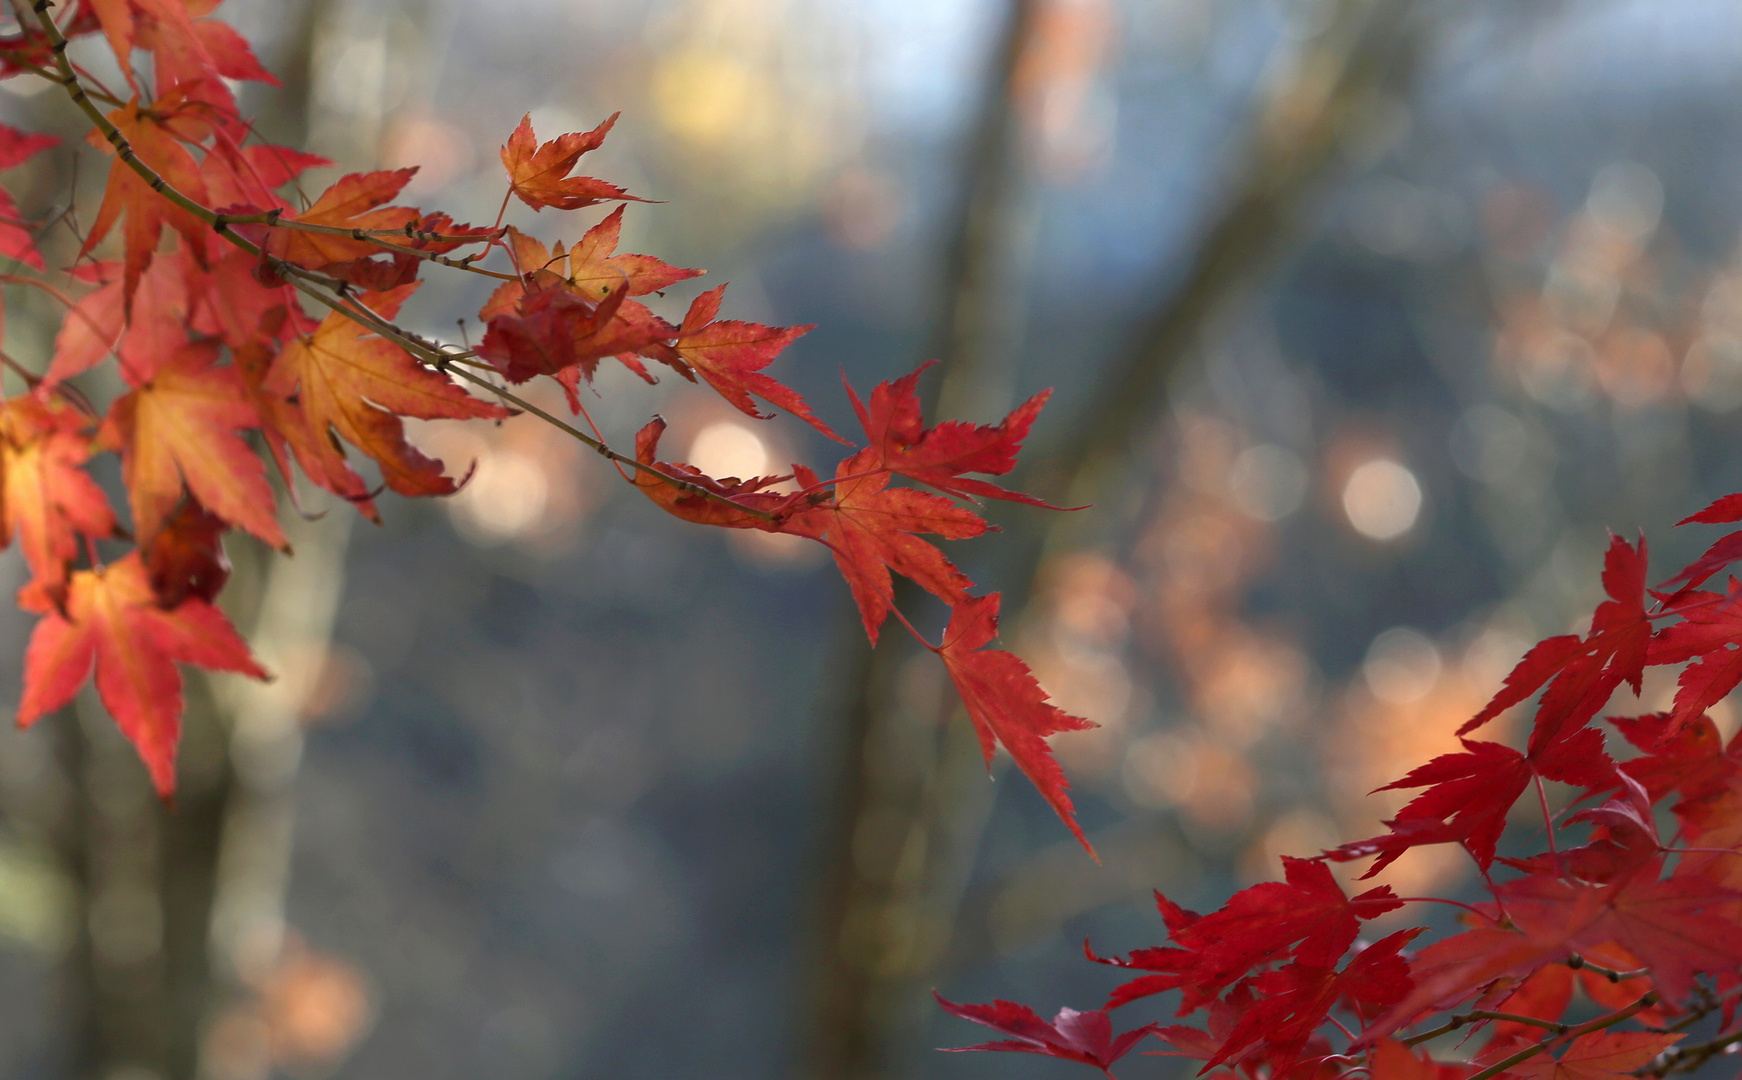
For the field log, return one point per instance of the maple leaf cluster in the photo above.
(1640, 920)
(253, 330)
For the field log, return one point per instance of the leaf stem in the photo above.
(1454, 903)
(1547, 818)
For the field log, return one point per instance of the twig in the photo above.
(300, 278)
(1577, 962)
(1586, 1028)
(370, 236)
(1459, 1020)
(1688, 1058)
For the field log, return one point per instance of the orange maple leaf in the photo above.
(539, 173)
(180, 427)
(288, 433)
(1006, 704)
(355, 202)
(149, 132)
(49, 500)
(592, 269)
(111, 619)
(357, 385)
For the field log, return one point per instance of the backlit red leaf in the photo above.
(1006, 704)
(1085, 1037)
(938, 456)
(870, 528)
(730, 355)
(1598, 1055)
(111, 620)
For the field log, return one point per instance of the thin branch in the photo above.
(1690, 1057)
(1705, 1008)
(1460, 1020)
(371, 236)
(425, 351)
(1586, 1028)
(1577, 962)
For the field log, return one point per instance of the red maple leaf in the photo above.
(1690, 760)
(553, 330)
(1677, 928)
(250, 175)
(685, 502)
(1726, 550)
(92, 326)
(730, 355)
(186, 49)
(870, 528)
(1624, 839)
(1307, 917)
(1584, 672)
(1006, 704)
(1453, 969)
(1085, 1037)
(185, 558)
(202, 51)
(539, 172)
(1469, 794)
(1295, 1000)
(938, 456)
(1598, 1055)
(1543, 996)
(1391, 1060)
(1172, 966)
(1710, 634)
(109, 618)
(570, 308)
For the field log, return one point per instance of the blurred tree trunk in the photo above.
(869, 939)
(913, 796)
